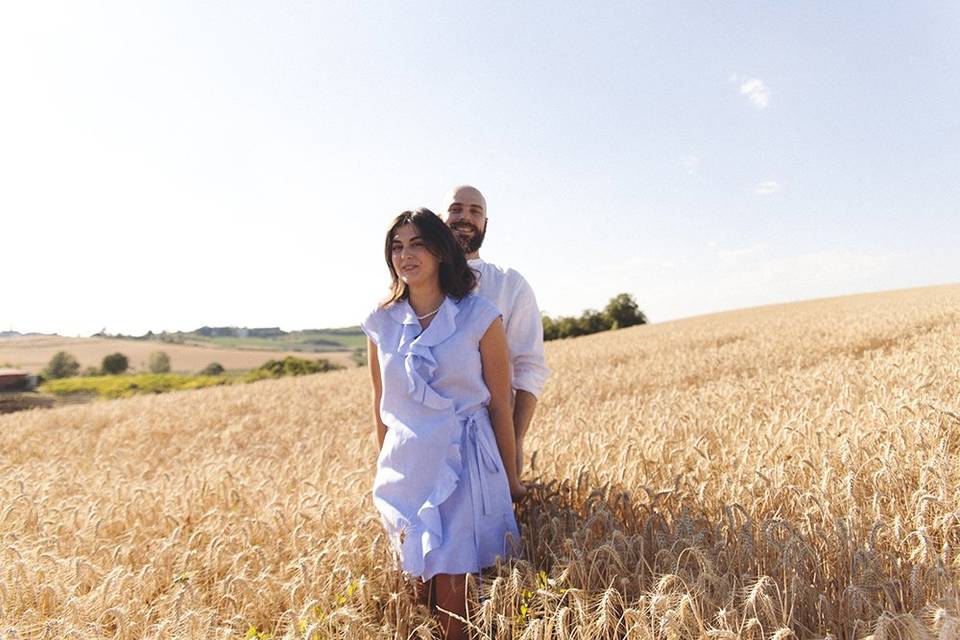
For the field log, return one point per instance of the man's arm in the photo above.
(524, 404)
(525, 335)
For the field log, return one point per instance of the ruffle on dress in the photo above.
(482, 459)
(416, 347)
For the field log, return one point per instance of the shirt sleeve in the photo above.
(525, 337)
(371, 325)
(484, 312)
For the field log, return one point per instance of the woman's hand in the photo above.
(518, 490)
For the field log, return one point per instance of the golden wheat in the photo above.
(789, 471)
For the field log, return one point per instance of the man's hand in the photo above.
(518, 491)
(519, 457)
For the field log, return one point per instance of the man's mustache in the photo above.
(465, 225)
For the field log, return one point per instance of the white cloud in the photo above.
(756, 91)
(767, 187)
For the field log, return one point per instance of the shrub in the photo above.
(359, 356)
(624, 312)
(212, 369)
(292, 366)
(114, 364)
(593, 321)
(159, 362)
(569, 327)
(550, 331)
(91, 371)
(61, 365)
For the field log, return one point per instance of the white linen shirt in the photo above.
(521, 318)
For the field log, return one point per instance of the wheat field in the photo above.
(783, 472)
(34, 352)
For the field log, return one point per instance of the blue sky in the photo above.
(169, 165)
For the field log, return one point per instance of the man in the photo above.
(465, 212)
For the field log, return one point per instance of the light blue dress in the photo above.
(440, 486)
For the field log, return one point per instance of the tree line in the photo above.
(622, 311)
(64, 365)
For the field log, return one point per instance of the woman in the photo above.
(446, 472)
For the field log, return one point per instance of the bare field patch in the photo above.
(788, 471)
(34, 352)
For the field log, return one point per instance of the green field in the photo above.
(128, 385)
(125, 386)
(308, 341)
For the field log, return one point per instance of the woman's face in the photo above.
(414, 263)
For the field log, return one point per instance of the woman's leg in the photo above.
(451, 596)
(423, 591)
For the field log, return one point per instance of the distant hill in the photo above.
(272, 338)
(266, 338)
(17, 334)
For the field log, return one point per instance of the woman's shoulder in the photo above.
(377, 319)
(479, 308)
(475, 301)
(374, 313)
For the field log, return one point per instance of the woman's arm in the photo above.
(495, 361)
(374, 364)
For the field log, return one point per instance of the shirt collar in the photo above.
(440, 328)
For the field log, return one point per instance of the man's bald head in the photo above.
(465, 212)
(466, 196)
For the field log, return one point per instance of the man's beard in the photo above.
(469, 244)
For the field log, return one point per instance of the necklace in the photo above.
(427, 315)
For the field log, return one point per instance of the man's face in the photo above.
(467, 218)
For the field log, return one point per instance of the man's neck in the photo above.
(473, 256)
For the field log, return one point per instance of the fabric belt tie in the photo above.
(485, 454)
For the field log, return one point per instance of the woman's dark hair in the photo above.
(457, 279)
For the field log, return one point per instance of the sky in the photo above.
(165, 166)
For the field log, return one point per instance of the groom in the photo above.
(465, 212)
